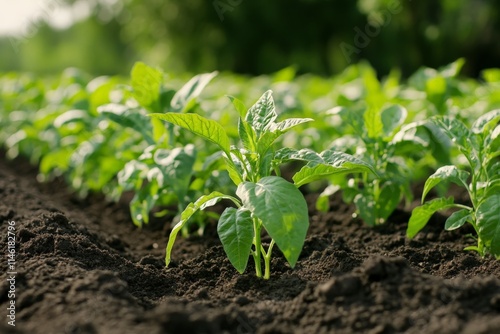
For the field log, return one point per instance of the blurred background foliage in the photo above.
(258, 37)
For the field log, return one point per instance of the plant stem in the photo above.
(267, 260)
(258, 247)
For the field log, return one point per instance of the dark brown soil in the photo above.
(82, 267)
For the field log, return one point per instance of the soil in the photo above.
(83, 267)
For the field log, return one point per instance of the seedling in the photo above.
(480, 145)
(265, 200)
(375, 195)
(162, 174)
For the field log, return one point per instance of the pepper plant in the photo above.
(162, 174)
(265, 200)
(375, 195)
(480, 145)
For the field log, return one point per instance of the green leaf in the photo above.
(456, 130)
(132, 174)
(373, 122)
(72, 116)
(146, 84)
(283, 212)
(323, 201)
(393, 117)
(458, 219)
(486, 122)
(129, 118)
(288, 154)
(494, 141)
(235, 229)
(57, 159)
(421, 214)
(287, 124)
(191, 90)
(365, 205)
(202, 203)
(240, 107)
(333, 163)
(233, 171)
(262, 114)
(247, 135)
(488, 222)
(445, 173)
(199, 125)
(177, 168)
(388, 201)
(353, 117)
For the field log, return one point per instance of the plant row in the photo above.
(180, 145)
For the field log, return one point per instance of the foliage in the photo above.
(480, 145)
(265, 201)
(374, 139)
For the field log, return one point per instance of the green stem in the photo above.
(258, 247)
(267, 260)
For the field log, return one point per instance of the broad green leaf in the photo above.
(57, 159)
(177, 168)
(239, 106)
(353, 117)
(275, 130)
(191, 90)
(388, 201)
(234, 173)
(282, 209)
(486, 122)
(457, 219)
(262, 114)
(333, 163)
(130, 118)
(235, 229)
(247, 134)
(288, 154)
(146, 84)
(373, 122)
(199, 125)
(445, 173)
(488, 222)
(159, 129)
(287, 124)
(392, 117)
(456, 131)
(410, 137)
(202, 203)
(421, 214)
(419, 138)
(130, 176)
(365, 205)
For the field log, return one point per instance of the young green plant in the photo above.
(480, 145)
(375, 195)
(265, 200)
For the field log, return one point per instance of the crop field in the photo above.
(223, 203)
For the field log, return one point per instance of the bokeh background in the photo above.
(247, 36)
